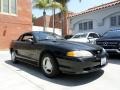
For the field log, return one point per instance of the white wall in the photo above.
(101, 20)
(38, 28)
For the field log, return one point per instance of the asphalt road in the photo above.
(25, 77)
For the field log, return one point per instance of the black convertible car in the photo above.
(54, 54)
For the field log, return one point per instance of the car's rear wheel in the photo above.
(49, 66)
(13, 57)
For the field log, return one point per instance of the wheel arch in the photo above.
(46, 52)
(11, 50)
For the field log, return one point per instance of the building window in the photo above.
(13, 6)
(115, 21)
(90, 23)
(119, 20)
(8, 6)
(80, 26)
(0, 5)
(86, 25)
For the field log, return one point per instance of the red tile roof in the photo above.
(103, 6)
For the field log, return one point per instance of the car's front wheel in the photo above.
(13, 57)
(49, 66)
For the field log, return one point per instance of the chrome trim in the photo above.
(116, 50)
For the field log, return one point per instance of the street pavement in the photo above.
(26, 77)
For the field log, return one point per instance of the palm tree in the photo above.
(46, 4)
(42, 4)
(63, 11)
(63, 2)
(54, 5)
(33, 18)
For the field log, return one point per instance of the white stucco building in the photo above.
(97, 19)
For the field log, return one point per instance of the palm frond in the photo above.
(41, 4)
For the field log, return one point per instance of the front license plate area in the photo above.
(103, 61)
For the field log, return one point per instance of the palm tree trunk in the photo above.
(53, 20)
(62, 23)
(44, 15)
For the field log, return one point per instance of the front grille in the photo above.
(108, 44)
(91, 68)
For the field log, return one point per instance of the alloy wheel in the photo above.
(47, 65)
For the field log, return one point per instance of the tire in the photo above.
(13, 57)
(49, 66)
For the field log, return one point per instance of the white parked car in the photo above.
(89, 37)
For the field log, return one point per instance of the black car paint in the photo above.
(31, 52)
(111, 44)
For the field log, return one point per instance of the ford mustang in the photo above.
(54, 54)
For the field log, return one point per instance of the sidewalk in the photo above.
(4, 52)
(26, 77)
(5, 55)
(10, 79)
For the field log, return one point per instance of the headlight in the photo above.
(82, 54)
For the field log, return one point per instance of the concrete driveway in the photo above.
(25, 77)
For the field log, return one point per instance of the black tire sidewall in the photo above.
(53, 61)
(14, 61)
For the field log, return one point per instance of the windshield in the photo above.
(80, 36)
(46, 36)
(112, 34)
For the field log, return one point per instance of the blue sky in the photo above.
(74, 6)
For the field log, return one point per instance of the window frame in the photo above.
(90, 24)
(15, 7)
(0, 6)
(86, 25)
(80, 26)
(113, 21)
(7, 7)
(9, 11)
(29, 36)
(93, 35)
(26, 34)
(117, 22)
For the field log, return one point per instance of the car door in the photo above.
(27, 49)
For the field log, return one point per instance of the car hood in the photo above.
(108, 39)
(70, 45)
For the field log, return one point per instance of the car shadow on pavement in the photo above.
(114, 59)
(62, 79)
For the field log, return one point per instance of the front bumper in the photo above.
(80, 66)
(113, 51)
